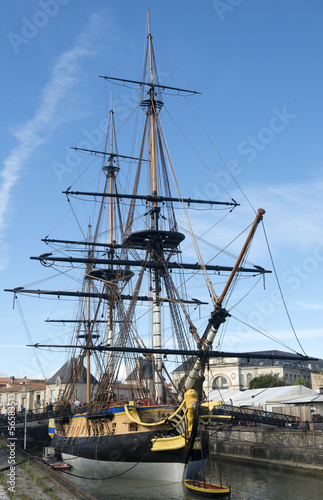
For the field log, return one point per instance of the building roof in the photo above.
(7, 380)
(286, 363)
(186, 366)
(29, 386)
(67, 374)
(145, 370)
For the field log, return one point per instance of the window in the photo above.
(37, 398)
(220, 383)
(249, 378)
(16, 399)
(0, 399)
(52, 396)
(224, 383)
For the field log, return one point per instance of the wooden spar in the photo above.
(150, 52)
(88, 377)
(111, 177)
(111, 174)
(152, 119)
(258, 218)
(219, 314)
(87, 333)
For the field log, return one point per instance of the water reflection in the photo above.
(248, 482)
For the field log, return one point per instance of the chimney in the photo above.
(12, 380)
(321, 390)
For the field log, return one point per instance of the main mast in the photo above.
(156, 284)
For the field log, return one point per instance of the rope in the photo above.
(281, 292)
(30, 338)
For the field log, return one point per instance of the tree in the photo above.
(265, 381)
(181, 382)
(301, 381)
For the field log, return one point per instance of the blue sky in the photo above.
(257, 64)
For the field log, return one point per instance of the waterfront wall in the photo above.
(294, 448)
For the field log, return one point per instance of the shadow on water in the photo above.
(248, 482)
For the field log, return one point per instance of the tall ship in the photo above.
(135, 317)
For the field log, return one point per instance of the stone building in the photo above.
(34, 395)
(56, 385)
(236, 373)
(317, 381)
(313, 402)
(25, 392)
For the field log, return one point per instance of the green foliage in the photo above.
(181, 382)
(265, 381)
(301, 381)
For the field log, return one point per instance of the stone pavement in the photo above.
(3, 493)
(30, 481)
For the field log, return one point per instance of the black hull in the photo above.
(124, 448)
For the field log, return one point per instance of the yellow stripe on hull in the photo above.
(170, 443)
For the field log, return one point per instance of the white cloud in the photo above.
(292, 221)
(293, 212)
(308, 306)
(38, 130)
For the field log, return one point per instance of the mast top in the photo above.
(148, 15)
(150, 54)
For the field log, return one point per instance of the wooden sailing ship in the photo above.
(130, 258)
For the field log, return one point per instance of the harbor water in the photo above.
(248, 482)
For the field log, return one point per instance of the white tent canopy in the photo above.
(265, 398)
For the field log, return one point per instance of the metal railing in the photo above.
(243, 415)
(36, 414)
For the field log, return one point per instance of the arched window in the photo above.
(220, 383)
